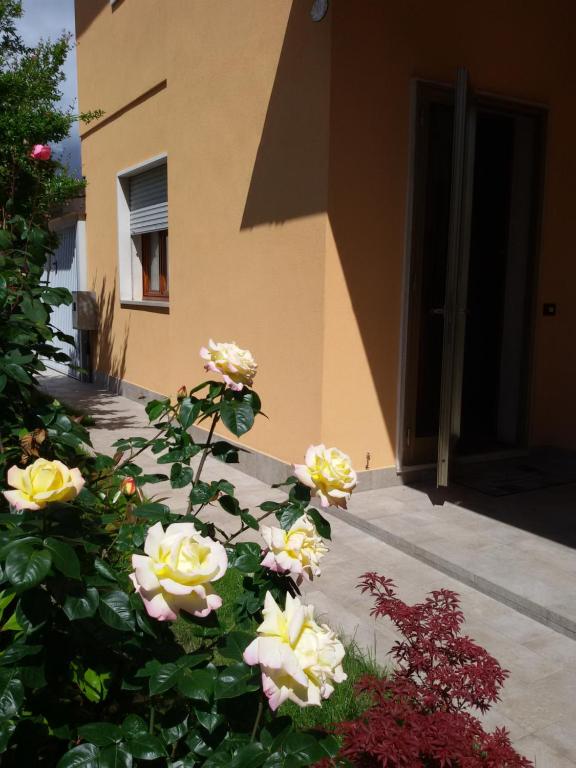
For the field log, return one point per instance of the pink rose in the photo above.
(40, 152)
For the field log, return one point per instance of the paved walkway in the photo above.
(398, 532)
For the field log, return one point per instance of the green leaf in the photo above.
(249, 756)
(249, 520)
(202, 493)
(164, 678)
(83, 606)
(300, 492)
(147, 747)
(64, 557)
(247, 557)
(153, 510)
(270, 506)
(3, 380)
(11, 693)
(105, 570)
(180, 476)
(101, 734)
(225, 452)
(210, 720)
(155, 408)
(5, 239)
(6, 598)
(174, 724)
(197, 684)
(115, 756)
(250, 397)
(17, 373)
(189, 412)
(134, 726)
(322, 525)
(175, 454)
(18, 651)
(115, 610)
(236, 680)
(237, 416)
(236, 644)
(33, 310)
(303, 748)
(288, 515)
(83, 756)
(26, 567)
(330, 745)
(230, 504)
(93, 684)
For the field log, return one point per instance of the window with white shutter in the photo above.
(143, 232)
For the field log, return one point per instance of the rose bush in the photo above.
(92, 583)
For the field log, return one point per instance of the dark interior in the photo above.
(487, 282)
(495, 380)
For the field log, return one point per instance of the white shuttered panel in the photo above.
(149, 201)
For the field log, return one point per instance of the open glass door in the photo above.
(476, 197)
(455, 297)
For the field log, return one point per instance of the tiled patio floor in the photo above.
(538, 704)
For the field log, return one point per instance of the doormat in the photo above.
(505, 480)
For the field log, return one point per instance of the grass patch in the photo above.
(228, 587)
(345, 703)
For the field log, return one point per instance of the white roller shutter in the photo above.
(149, 201)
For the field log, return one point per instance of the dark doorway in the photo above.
(502, 203)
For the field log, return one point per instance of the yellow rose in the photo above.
(176, 572)
(296, 551)
(42, 483)
(300, 660)
(236, 365)
(328, 472)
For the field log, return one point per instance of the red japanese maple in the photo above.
(421, 715)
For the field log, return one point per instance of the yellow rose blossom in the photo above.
(328, 472)
(176, 572)
(237, 366)
(300, 659)
(42, 483)
(296, 551)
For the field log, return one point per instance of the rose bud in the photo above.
(128, 486)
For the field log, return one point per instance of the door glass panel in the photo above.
(154, 264)
(440, 123)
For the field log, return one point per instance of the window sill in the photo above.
(145, 304)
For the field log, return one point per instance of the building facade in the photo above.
(372, 204)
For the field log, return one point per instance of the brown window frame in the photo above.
(162, 294)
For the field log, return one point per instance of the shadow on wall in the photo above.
(86, 11)
(324, 148)
(110, 357)
(290, 171)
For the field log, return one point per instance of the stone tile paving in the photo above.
(538, 704)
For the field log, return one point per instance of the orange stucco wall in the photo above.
(288, 155)
(244, 121)
(519, 49)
